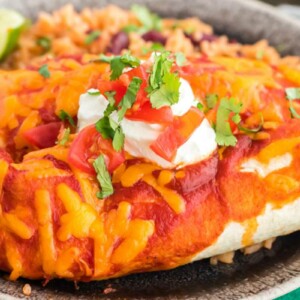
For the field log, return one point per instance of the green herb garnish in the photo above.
(65, 137)
(211, 100)
(260, 54)
(227, 107)
(293, 94)
(180, 59)
(64, 116)
(129, 97)
(103, 177)
(118, 139)
(163, 89)
(119, 63)
(200, 106)
(130, 28)
(91, 37)
(44, 42)
(44, 71)
(155, 47)
(103, 126)
(108, 128)
(168, 93)
(149, 20)
(93, 92)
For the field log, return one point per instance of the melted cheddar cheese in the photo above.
(53, 225)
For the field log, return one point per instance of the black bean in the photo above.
(119, 42)
(154, 36)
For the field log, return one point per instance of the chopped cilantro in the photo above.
(110, 97)
(150, 21)
(180, 59)
(129, 97)
(293, 94)
(91, 37)
(168, 92)
(200, 106)
(161, 66)
(211, 100)
(103, 177)
(130, 28)
(65, 137)
(155, 47)
(93, 92)
(107, 127)
(260, 54)
(190, 30)
(44, 71)
(119, 63)
(118, 140)
(236, 119)
(64, 116)
(224, 135)
(163, 89)
(175, 25)
(44, 42)
(111, 106)
(103, 126)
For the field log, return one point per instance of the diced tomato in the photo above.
(88, 145)
(198, 66)
(43, 136)
(141, 73)
(116, 85)
(120, 85)
(177, 134)
(148, 114)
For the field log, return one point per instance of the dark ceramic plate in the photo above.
(262, 275)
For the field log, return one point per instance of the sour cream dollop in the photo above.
(140, 135)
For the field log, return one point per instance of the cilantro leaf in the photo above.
(225, 139)
(200, 106)
(155, 47)
(118, 140)
(104, 128)
(129, 97)
(236, 119)
(44, 71)
(161, 66)
(130, 28)
(103, 177)
(119, 63)
(110, 96)
(211, 100)
(44, 42)
(168, 93)
(93, 36)
(190, 30)
(64, 116)
(293, 94)
(180, 59)
(93, 92)
(65, 137)
(224, 135)
(150, 21)
(260, 54)
(163, 89)
(111, 106)
(107, 127)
